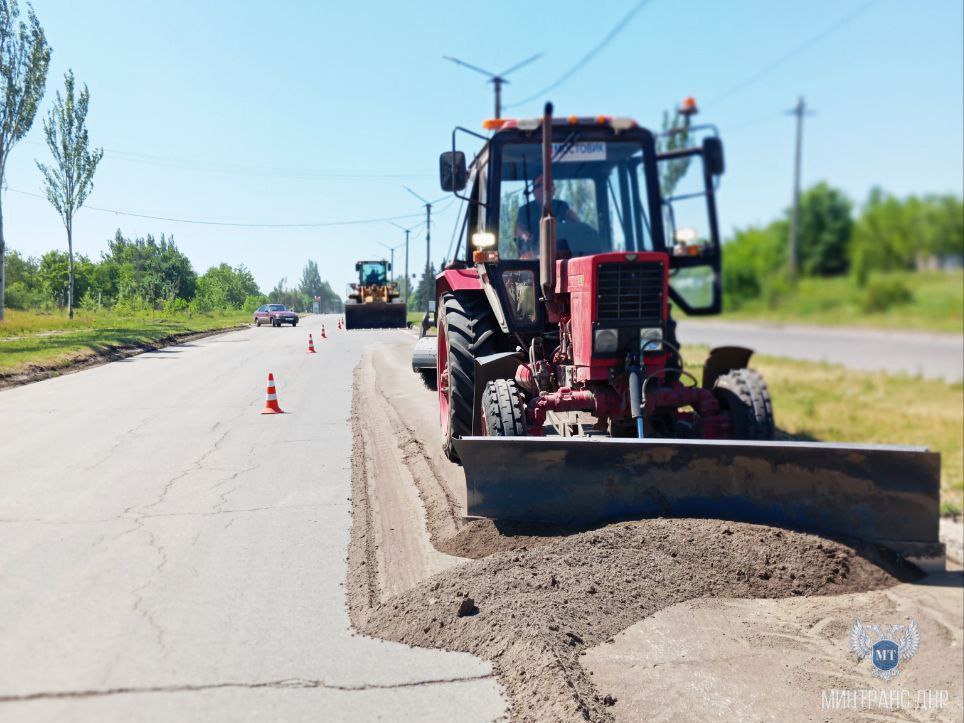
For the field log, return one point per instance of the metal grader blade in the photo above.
(377, 315)
(887, 495)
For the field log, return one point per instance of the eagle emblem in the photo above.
(888, 646)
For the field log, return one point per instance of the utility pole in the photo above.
(497, 79)
(407, 277)
(391, 250)
(428, 224)
(800, 110)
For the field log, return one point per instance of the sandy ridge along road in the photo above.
(166, 552)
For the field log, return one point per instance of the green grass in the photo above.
(415, 317)
(937, 303)
(829, 403)
(52, 340)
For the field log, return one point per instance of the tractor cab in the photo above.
(612, 193)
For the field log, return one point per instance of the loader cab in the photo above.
(373, 273)
(608, 197)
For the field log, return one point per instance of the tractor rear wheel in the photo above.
(466, 330)
(744, 394)
(503, 411)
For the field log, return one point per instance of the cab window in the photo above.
(599, 198)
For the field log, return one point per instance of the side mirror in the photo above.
(388, 266)
(713, 155)
(358, 266)
(452, 173)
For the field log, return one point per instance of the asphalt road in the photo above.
(935, 356)
(168, 553)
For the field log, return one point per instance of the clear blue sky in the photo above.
(302, 112)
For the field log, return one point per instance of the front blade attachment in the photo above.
(880, 494)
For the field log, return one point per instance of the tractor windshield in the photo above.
(599, 199)
(372, 273)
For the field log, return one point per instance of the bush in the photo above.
(18, 296)
(252, 302)
(882, 294)
(175, 306)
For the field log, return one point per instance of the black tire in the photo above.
(257, 322)
(744, 394)
(429, 378)
(294, 324)
(503, 409)
(470, 331)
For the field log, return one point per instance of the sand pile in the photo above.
(534, 610)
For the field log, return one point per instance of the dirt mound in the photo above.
(539, 609)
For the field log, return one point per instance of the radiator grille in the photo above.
(630, 292)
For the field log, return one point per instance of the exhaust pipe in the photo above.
(547, 224)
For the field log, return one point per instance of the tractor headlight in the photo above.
(483, 240)
(605, 341)
(651, 339)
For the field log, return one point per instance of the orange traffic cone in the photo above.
(271, 403)
(311, 345)
(322, 335)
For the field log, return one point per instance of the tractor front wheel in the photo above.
(744, 394)
(466, 330)
(503, 411)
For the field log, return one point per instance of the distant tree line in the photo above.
(310, 289)
(885, 234)
(138, 274)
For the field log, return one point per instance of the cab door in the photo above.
(688, 180)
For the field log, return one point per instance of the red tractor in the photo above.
(557, 318)
(561, 386)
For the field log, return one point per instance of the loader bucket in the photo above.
(378, 315)
(884, 495)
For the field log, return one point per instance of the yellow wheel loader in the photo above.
(374, 302)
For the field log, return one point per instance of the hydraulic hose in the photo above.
(636, 393)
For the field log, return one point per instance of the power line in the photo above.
(232, 224)
(245, 169)
(588, 56)
(805, 45)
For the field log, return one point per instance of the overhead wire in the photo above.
(614, 31)
(232, 224)
(253, 170)
(782, 60)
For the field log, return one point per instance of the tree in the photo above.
(825, 230)
(310, 280)
(223, 287)
(24, 59)
(672, 172)
(71, 179)
(292, 298)
(425, 291)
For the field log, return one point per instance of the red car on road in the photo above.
(275, 314)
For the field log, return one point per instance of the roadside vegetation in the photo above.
(140, 292)
(50, 341)
(830, 403)
(896, 263)
(917, 301)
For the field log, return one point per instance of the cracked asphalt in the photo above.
(166, 552)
